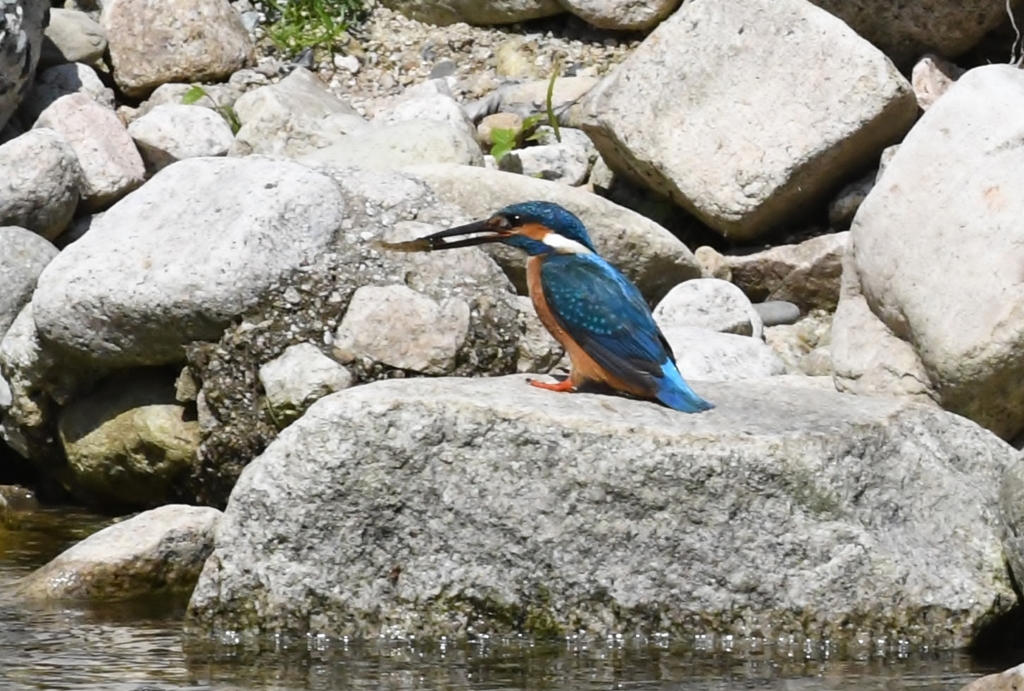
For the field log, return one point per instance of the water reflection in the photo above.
(126, 646)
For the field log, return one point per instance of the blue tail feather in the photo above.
(674, 392)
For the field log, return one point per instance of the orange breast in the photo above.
(584, 368)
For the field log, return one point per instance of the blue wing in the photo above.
(607, 316)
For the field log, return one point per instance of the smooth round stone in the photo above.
(776, 312)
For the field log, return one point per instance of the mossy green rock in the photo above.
(129, 442)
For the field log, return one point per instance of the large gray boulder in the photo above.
(21, 40)
(699, 114)
(448, 506)
(179, 259)
(935, 255)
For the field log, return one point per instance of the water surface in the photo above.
(125, 647)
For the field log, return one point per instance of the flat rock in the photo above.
(149, 277)
(436, 107)
(111, 165)
(807, 274)
(171, 133)
(400, 145)
(454, 506)
(41, 183)
(20, 45)
(444, 12)
(206, 41)
(25, 254)
(156, 552)
(699, 115)
(645, 252)
(938, 257)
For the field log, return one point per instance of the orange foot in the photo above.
(564, 385)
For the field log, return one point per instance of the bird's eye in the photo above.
(515, 219)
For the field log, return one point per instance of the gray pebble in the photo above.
(776, 312)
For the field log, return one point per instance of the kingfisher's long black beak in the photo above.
(482, 232)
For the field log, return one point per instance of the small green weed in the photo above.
(294, 25)
(505, 140)
(196, 93)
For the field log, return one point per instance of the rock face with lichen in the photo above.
(452, 506)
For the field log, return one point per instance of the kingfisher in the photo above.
(590, 308)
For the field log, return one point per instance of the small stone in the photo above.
(41, 184)
(931, 77)
(843, 208)
(349, 63)
(297, 378)
(776, 312)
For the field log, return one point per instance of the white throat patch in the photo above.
(564, 245)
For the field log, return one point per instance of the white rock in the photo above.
(215, 96)
(171, 133)
(176, 261)
(700, 115)
(709, 303)
(705, 355)
(205, 41)
(616, 15)
(403, 328)
(111, 165)
(298, 377)
(399, 145)
(5, 395)
(932, 76)
(40, 185)
(295, 116)
(72, 36)
(62, 80)
(936, 253)
(437, 107)
(556, 162)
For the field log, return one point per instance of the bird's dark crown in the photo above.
(555, 218)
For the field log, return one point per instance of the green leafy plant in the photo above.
(197, 93)
(503, 141)
(295, 25)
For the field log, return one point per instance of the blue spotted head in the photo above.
(534, 227)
